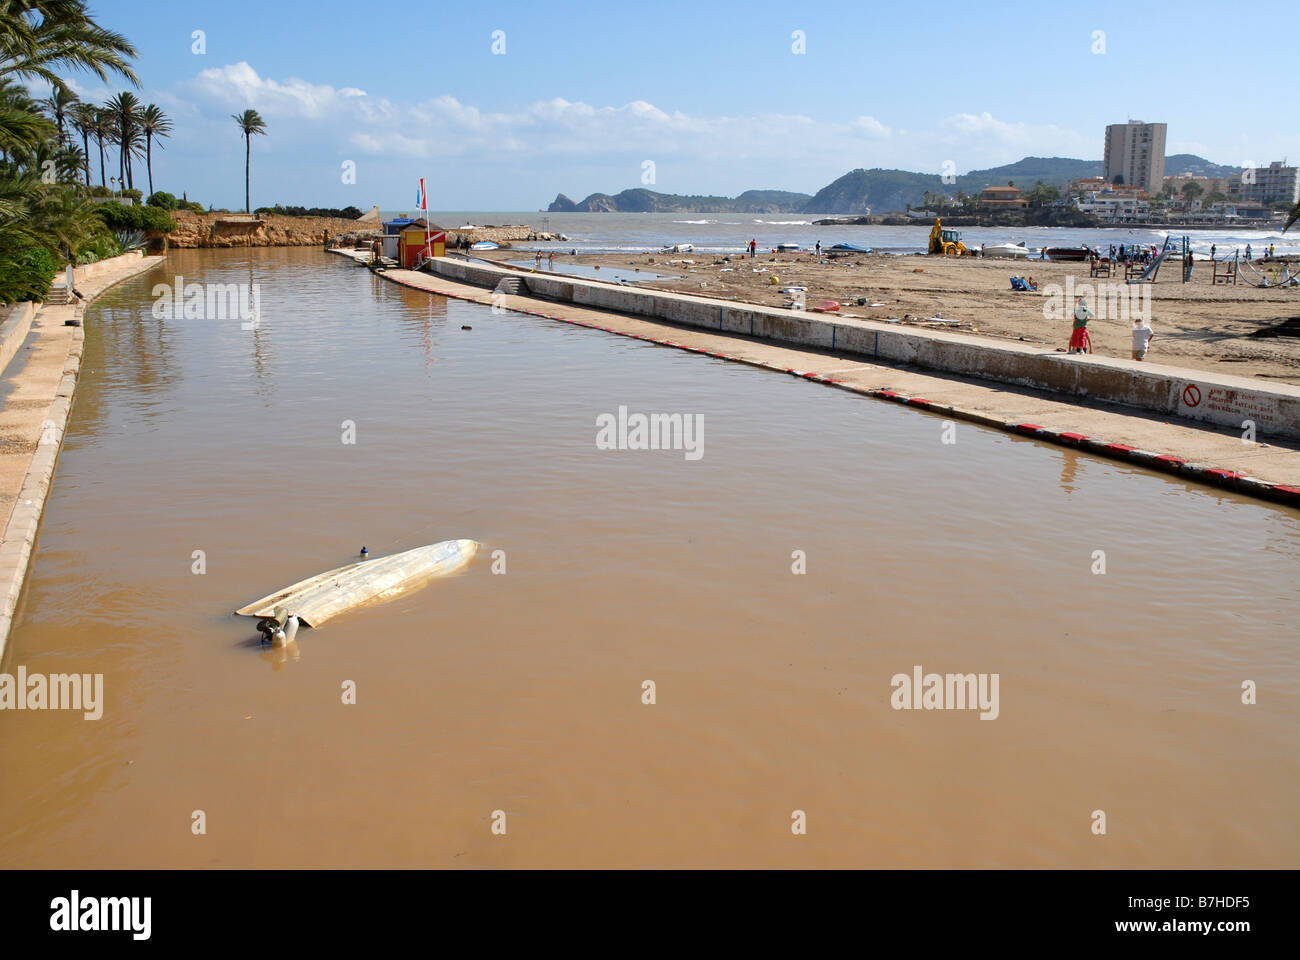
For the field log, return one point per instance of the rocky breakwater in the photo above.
(502, 234)
(265, 230)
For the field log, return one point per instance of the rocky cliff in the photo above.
(269, 230)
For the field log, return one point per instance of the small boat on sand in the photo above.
(317, 599)
(788, 248)
(678, 248)
(1066, 253)
(1014, 251)
(844, 250)
(485, 245)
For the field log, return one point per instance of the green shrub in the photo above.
(118, 217)
(26, 275)
(345, 213)
(135, 195)
(163, 199)
(98, 191)
(193, 206)
(101, 248)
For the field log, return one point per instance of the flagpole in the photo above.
(428, 234)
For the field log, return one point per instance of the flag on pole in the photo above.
(421, 200)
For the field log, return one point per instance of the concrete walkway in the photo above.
(1195, 451)
(35, 400)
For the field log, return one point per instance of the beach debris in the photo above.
(466, 326)
(919, 270)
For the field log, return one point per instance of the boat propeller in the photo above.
(279, 629)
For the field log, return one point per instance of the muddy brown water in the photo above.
(521, 691)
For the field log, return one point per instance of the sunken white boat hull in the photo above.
(326, 595)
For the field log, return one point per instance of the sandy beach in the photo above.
(1197, 324)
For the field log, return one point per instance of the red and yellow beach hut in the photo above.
(415, 237)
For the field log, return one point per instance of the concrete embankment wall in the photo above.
(1220, 399)
(17, 321)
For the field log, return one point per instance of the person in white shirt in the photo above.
(1141, 337)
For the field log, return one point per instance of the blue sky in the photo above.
(713, 94)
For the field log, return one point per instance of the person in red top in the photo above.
(1079, 340)
(753, 247)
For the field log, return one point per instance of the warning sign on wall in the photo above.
(1228, 407)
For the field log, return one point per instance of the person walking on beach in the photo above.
(1270, 251)
(753, 248)
(819, 248)
(1212, 249)
(551, 260)
(1248, 251)
(1141, 338)
(1079, 341)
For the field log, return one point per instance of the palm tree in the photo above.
(22, 125)
(124, 109)
(59, 103)
(83, 121)
(43, 221)
(251, 123)
(38, 37)
(102, 131)
(153, 123)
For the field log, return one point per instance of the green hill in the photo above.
(1053, 171)
(864, 191)
(876, 190)
(648, 201)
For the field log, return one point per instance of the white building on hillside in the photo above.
(1269, 184)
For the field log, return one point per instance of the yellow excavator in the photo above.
(946, 242)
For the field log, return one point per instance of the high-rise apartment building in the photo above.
(1135, 154)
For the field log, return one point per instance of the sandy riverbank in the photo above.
(1197, 324)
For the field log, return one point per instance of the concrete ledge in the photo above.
(13, 331)
(1219, 399)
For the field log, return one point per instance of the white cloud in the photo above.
(801, 149)
(238, 84)
(871, 127)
